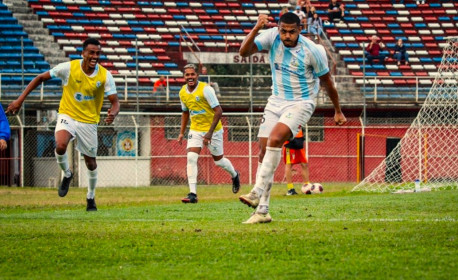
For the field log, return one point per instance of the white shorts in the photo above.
(295, 114)
(196, 139)
(85, 134)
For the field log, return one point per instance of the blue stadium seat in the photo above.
(163, 72)
(420, 25)
(170, 65)
(437, 59)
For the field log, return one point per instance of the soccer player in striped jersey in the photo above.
(200, 104)
(85, 84)
(298, 67)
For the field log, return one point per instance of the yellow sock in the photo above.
(290, 186)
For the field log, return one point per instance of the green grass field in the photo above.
(147, 233)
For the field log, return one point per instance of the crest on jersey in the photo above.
(197, 98)
(78, 96)
(98, 84)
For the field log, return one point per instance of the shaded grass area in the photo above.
(147, 233)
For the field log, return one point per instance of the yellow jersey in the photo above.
(82, 96)
(200, 111)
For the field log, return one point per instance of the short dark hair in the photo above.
(290, 18)
(90, 41)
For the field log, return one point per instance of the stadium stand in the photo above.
(11, 50)
(422, 27)
(163, 29)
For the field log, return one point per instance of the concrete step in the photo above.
(26, 16)
(27, 23)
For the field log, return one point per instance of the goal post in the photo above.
(428, 151)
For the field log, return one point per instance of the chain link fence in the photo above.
(142, 150)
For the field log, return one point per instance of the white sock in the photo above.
(62, 160)
(191, 169)
(268, 167)
(256, 178)
(92, 175)
(263, 207)
(226, 164)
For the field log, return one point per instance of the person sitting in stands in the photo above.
(373, 50)
(400, 52)
(336, 11)
(316, 26)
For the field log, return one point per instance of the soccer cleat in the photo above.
(291, 192)
(190, 198)
(257, 218)
(236, 183)
(65, 185)
(250, 199)
(91, 204)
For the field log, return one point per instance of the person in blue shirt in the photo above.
(5, 131)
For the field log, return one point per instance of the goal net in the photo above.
(428, 151)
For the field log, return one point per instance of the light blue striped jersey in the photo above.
(295, 71)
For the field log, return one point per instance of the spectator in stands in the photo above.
(283, 11)
(336, 11)
(5, 131)
(302, 16)
(85, 83)
(294, 153)
(310, 14)
(316, 26)
(400, 52)
(373, 50)
(203, 77)
(159, 88)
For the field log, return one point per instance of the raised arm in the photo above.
(16, 104)
(331, 90)
(248, 46)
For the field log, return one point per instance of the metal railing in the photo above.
(236, 88)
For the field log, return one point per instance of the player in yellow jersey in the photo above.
(200, 104)
(85, 83)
